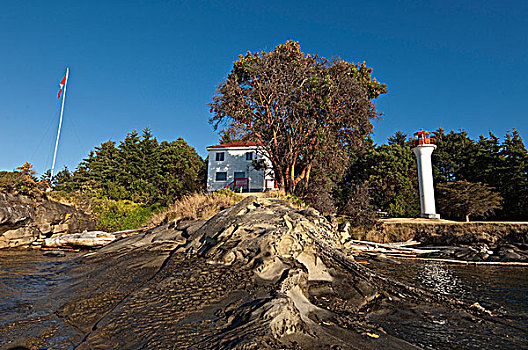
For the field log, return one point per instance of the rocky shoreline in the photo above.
(489, 242)
(258, 275)
(32, 222)
(28, 220)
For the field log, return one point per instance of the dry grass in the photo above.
(198, 206)
(202, 206)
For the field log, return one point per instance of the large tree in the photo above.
(300, 107)
(464, 199)
(514, 177)
(501, 165)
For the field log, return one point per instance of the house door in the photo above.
(240, 180)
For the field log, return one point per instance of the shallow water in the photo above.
(27, 278)
(499, 288)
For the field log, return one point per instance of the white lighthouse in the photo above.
(424, 147)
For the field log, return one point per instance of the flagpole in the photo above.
(60, 123)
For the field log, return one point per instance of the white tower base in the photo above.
(430, 216)
(425, 178)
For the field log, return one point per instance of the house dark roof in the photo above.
(236, 144)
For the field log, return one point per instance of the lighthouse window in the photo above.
(219, 156)
(249, 156)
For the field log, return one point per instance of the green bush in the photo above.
(295, 200)
(225, 192)
(120, 215)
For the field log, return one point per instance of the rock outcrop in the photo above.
(24, 219)
(259, 275)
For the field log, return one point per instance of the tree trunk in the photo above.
(307, 177)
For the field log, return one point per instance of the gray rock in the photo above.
(56, 253)
(85, 239)
(259, 275)
(510, 256)
(24, 219)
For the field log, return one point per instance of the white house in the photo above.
(239, 166)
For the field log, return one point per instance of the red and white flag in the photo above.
(62, 83)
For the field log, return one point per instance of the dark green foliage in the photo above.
(388, 173)
(182, 170)
(61, 179)
(123, 184)
(513, 177)
(121, 215)
(454, 159)
(399, 138)
(501, 165)
(139, 169)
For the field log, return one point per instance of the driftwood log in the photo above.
(436, 253)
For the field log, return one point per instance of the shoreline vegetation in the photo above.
(434, 240)
(381, 179)
(483, 241)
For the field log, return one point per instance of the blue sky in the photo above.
(450, 64)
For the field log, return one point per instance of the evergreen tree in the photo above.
(489, 162)
(99, 171)
(138, 169)
(514, 177)
(389, 172)
(394, 178)
(454, 157)
(61, 181)
(130, 161)
(399, 138)
(464, 199)
(181, 170)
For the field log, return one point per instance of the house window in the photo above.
(221, 175)
(249, 156)
(219, 156)
(240, 175)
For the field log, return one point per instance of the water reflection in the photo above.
(437, 277)
(25, 278)
(502, 289)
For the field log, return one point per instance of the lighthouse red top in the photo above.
(423, 138)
